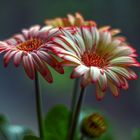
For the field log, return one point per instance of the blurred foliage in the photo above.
(30, 137)
(3, 120)
(65, 84)
(136, 134)
(57, 122)
(11, 132)
(109, 134)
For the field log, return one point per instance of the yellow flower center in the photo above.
(30, 45)
(93, 59)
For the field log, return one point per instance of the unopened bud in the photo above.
(93, 125)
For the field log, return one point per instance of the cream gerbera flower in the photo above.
(30, 48)
(71, 20)
(98, 55)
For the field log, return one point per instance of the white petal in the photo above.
(122, 60)
(122, 51)
(99, 93)
(71, 45)
(95, 36)
(102, 81)
(79, 71)
(94, 73)
(45, 28)
(71, 59)
(80, 42)
(86, 79)
(62, 52)
(113, 89)
(120, 70)
(87, 37)
(113, 77)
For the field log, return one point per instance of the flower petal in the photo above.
(86, 79)
(99, 93)
(42, 68)
(51, 61)
(94, 73)
(102, 81)
(124, 60)
(79, 71)
(18, 58)
(113, 89)
(87, 37)
(8, 55)
(29, 66)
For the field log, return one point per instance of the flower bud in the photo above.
(93, 125)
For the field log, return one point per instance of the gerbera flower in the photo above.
(71, 20)
(30, 48)
(98, 55)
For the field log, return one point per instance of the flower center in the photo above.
(93, 59)
(30, 45)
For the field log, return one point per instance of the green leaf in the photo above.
(31, 137)
(3, 120)
(136, 134)
(56, 123)
(49, 136)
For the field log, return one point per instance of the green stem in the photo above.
(75, 116)
(74, 94)
(39, 107)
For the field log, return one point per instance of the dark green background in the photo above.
(16, 90)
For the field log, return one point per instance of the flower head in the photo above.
(98, 56)
(93, 125)
(30, 48)
(71, 20)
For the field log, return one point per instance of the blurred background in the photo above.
(17, 99)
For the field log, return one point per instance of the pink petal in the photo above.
(42, 68)
(51, 61)
(19, 38)
(18, 58)
(8, 56)
(34, 30)
(29, 66)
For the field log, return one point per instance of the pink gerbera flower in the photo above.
(30, 48)
(98, 56)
